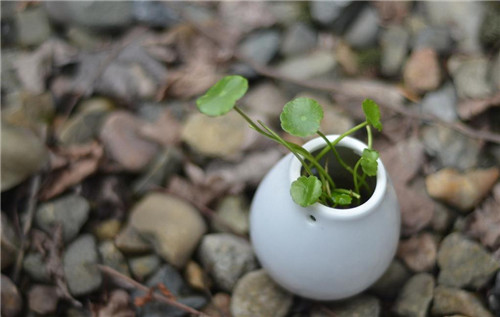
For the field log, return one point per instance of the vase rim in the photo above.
(348, 213)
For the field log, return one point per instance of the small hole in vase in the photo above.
(312, 218)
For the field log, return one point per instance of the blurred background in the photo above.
(106, 160)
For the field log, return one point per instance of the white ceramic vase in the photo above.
(319, 252)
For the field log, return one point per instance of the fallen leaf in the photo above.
(83, 161)
(404, 159)
(416, 209)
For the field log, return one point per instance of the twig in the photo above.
(343, 88)
(111, 272)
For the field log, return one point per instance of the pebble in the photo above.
(233, 212)
(360, 306)
(494, 295)
(12, 301)
(362, 33)
(123, 143)
(441, 103)
(219, 306)
(84, 38)
(80, 266)
(286, 13)
(495, 72)
(266, 99)
(226, 258)
(422, 71)
(437, 38)
(261, 46)
(112, 257)
(35, 266)
(471, 77)
(390, 283)
(418, 252)
(310, 65)
(32, 26)
(92, 14)
(154, 13)
(299, 38)
(490, 27)
(70, 211)
(416, 296)
(85, 125)
(450, 148)
(442, 219)
(394, 43)
(117, 304)
(196, 277)
(464, 263)
(43, 299)
(171, 225)
(256, 294)
(172, 280)
(223, 137)
(462, 190)
(9, 242)
(326, 12)
(449, 301)
(23, 154)
(129, 241)
(144, 266)
(107, 229)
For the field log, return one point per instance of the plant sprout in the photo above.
(301, 117)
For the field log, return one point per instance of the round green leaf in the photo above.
(372, 113)
(301, 117)
(222, 96)
(306, 191)
(341, 199)
(369, 162)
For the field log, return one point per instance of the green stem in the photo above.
(252, 124)
(340, 137)
(348, 192)
(356, 185)
(337, 156)
(369, 132)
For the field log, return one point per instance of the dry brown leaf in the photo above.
(404, 159)
(470, 108)
(416, 209)
(83, 162)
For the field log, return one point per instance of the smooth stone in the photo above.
(9, 242)
(394, 42)
(422, 71)
(442, 219)
(464, 18)
(84, 38)
(449, 301)
(391, 282)
(144, 266)
(123, 142)
(299, 38)
(154, 13)
(165, 164)
(462, 190)
(112, 257)
(70, 211)
(310, 65)
(256, 294)
(29, 110)
(286, 12)
(12, 301)
(490, 26)
(419, 252)
(171, 225)
(464, 263)
(196, 277)
(219, 306)
(85, 125)
(326, 12)
(450, 148)
(441, 103)
(261, 46)
(22, 153)
(43, 299)
(32, 26)
(232, 212)
(129, 241)
(437, 38)
(495, 72)
(92, 14)
(35, 266)
(471, 78)
(416, 296)
(362, 33)
(117, 304)
(222, 137)
(170, 278)
(107, 229)
(226, 258)
(360, 306)
(80, 266)
(266, 99)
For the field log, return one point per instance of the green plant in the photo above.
(302, 117)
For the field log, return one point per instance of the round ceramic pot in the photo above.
(319, 252)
